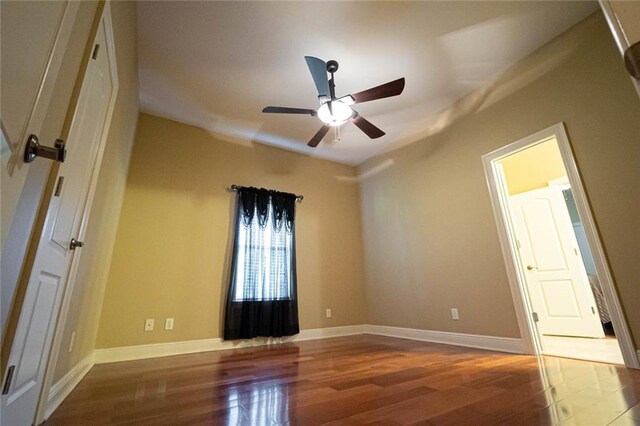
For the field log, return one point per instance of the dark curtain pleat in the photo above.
(247, 204)
(283, 210)
(247, 319)
(262, 206)
(278, 211)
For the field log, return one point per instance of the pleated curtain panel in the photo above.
(262, 299)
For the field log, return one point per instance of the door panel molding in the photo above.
(40, 104)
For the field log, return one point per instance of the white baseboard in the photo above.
(63, 387)
(155, 350)
(492, 343)
(128, 353)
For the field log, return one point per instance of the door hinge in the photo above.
(518, 244)
(575, 250)
(535, 317)
(59, 186)
(593, 310)
(7, 382)
(94, 55)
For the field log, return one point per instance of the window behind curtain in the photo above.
(262, 298)
(263, 266)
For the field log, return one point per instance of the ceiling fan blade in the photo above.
(315, 140)
(372, 131)
(287, 110)
(318, 69)
(392, 88)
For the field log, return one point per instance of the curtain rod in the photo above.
(235, 188)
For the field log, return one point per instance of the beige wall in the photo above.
(534, 167)
(84, 313)
(431, 240)
(171, 251)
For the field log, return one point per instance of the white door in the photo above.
(556, 279)
(29, 99)
(36, 326)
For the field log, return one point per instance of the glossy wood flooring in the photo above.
(354, 381)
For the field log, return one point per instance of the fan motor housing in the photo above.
(332, 66)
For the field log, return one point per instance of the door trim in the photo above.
(618, 33)
(509, 250)
(43, 408)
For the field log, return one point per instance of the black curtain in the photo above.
(262, 298)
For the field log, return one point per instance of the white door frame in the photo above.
(528, 330)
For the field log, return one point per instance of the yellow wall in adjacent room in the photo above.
(171, 250)
(432, 243)
(534, 167)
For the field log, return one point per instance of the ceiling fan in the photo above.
(334, 112)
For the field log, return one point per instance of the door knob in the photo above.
(75, 243)
(33, 149)
(531, 267)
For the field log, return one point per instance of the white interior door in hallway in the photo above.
(67, 212)
(556, 279)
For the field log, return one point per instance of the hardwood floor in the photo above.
(600, 350)
(354, 381)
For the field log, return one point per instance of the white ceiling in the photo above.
(217, 64)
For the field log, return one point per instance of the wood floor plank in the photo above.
(358, 380)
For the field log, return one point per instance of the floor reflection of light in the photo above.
(162, 389)
(263, 403)
(581, 391)
(139, 395)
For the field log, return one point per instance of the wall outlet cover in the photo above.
(328, 312)
(148, 325)
(454, 314)
(168, 324)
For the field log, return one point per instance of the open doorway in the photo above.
(562, 287)
(560, 277)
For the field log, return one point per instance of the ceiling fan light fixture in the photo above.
(334, 112)
(339, 114)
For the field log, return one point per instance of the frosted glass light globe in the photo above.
(341, 113)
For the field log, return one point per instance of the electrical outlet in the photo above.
(148, 325)
(454, 314)
(72, 340)
(328, 312)
(168, 324)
